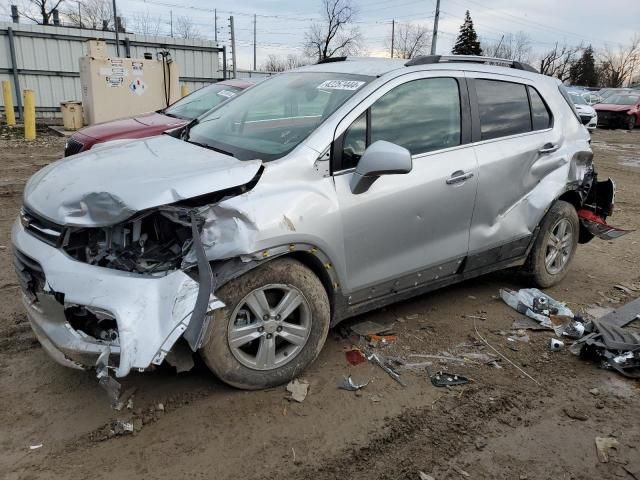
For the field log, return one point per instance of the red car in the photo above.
(620, 110)
(154, 123)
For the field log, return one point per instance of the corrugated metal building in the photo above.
(46, 59)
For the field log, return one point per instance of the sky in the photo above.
(281, 24)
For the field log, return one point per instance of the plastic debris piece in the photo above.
(424, 476)
(597, 226)
(444, 379)
(603, 445)
(382, 340)
(572, 412)
(519, 338)
(555, 345)
(298, 390)
(369, 328)
(348, 384)
(375, 358)
(535, 304)
(122, 427)
(35, 447)
(355, 356)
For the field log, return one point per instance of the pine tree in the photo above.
(583, 72)
(467, 42)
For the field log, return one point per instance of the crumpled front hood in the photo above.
(106, 186)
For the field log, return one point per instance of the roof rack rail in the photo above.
(429, 59)
(331, 60)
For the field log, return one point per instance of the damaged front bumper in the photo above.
(150, 312)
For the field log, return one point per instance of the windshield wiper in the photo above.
(210, 147)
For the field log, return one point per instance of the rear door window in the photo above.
(503, 108)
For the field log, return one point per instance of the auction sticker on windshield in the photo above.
(340, 85)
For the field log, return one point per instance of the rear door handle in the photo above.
(548, 148)
(458, 177)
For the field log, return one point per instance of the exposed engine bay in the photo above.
(151, 242)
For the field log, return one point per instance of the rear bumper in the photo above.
(151, 312)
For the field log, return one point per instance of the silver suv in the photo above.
(320, 194)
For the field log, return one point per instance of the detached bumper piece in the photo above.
(598, 226)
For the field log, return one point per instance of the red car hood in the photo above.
(610, 107)
(137, 127)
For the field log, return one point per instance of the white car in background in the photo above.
(587, 113)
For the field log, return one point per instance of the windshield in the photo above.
(623, 99)
(201, 101)
(577, 99)
(272, 118)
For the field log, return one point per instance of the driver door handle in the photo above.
(548, 148)
(458, 177)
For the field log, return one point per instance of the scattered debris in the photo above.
(121, 427)
(160, 407)
(526, 323)
(381, 340)
(572, 412)
(369, 327)
(180, 357)
(298, 390)
(603, 445)
(348, 384)
(126, 399)
(355, 356)
(493, 348)
(574, 330)
(413, 316)
(35, 447)
(624, 315)
(424, 476)
(384, 365)
(461, 471)
(536, 305)
(519, 338)
(415, 366)
(595, 392)
(376, 398)
(444, 379)
(476, 317)
(612, 347)
(555, 345)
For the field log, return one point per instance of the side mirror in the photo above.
(380, 158)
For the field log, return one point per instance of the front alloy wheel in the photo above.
(559, 246)
(269, 327)
(274, 324)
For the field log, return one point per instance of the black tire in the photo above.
(216, 350)
(631, 122)
(543, 275)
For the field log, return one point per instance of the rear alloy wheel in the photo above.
(274, 325)
(631, 122)
(555, 246)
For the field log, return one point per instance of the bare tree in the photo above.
(40, 11)
(184, 28)
(511, 46)
(619, 65)
(90, 14)
(278, 63)
(557, 61)
(145, 24)
(410, 40)
(337, 35)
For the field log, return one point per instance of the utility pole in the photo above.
(393, 34)
(171, 21)
(215, 25)
(116, 26)
(434, 39)
(80, 14)
(254, 42)
(233, 45)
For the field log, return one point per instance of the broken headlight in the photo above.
(150, 242)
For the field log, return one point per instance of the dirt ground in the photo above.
(190, 425)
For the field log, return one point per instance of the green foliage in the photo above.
(583, 71)
(467, 42)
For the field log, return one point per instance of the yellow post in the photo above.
(8, 103)
(29, 115)
(184, 91)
